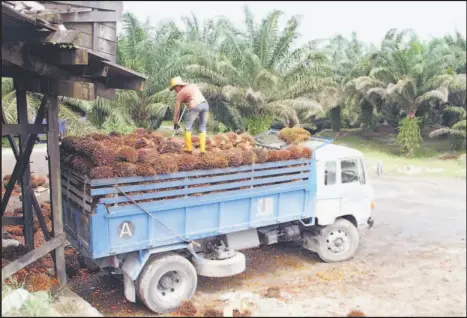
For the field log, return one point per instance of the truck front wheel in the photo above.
(166, 281)
(338, 242)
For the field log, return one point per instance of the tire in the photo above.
(165, 281)
(329, 251)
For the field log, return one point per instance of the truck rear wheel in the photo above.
(338, 242)
(165, 282)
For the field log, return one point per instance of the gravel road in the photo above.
(411, 263)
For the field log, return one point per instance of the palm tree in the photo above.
(255, 75)
(457, 130)
(153, 52)
(349, 60)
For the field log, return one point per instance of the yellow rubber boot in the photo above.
(188, 143)
(202, 142)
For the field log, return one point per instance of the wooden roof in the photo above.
(38, 50)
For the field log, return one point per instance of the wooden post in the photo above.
(55, 185)
(22, 111)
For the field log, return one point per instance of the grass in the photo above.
(385, 149)
(39, 304)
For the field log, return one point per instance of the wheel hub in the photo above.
(337, 241)
(169, 283)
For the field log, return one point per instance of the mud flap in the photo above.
(129, 288)
(310, 241)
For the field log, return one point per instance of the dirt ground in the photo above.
(411, 263)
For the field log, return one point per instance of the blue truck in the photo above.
(161, 232)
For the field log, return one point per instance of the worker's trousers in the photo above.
(202, 110)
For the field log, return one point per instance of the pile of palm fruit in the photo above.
(294, 135)
(145, 153)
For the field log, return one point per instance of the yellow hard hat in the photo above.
(176, 81)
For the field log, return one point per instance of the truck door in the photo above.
(328, 191)
(355, 191)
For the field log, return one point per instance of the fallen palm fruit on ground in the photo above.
(35, 276)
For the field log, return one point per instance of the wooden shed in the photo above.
(54, 48)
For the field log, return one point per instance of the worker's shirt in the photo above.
(191, 96)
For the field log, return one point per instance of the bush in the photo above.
(409, 137)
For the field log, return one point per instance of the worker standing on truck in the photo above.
(191, 96)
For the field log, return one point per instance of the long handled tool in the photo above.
(179, 120)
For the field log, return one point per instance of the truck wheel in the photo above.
(165, 281)
(338, 242)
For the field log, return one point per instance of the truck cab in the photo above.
(343, 189)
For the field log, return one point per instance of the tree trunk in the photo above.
(367, 119)
(336, 119)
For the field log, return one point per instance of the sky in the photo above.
(323, 19)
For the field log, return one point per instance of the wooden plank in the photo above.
(70, 57)
(22, 111)
(106, 46)
(16, 129)
(81, 27)
(85, 40)
(93, 16)
(131, 83)
(104, 5)
(20, 165)
(60, 56)
(107, 33)
(112, 25)
(62, 7)
(33, 256)
(12, 220)
(105, 92)
(78, 90)
(120, 70)
(95, 30)
(103, 56)
(55, 184)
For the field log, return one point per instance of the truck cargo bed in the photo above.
(112, 216)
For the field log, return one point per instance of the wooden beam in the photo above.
(32, 256)
(107, 93)
(131, 83)
(78, 90)
(17, 129)
(93, 16)
(22, 111)
(70, 57)
(12, 220)
(38, 37)
(53, 152)
(103, 5)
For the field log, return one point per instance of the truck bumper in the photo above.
(370, 222)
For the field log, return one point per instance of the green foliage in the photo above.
(409, 137)
(119, 127)
(257, 125)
